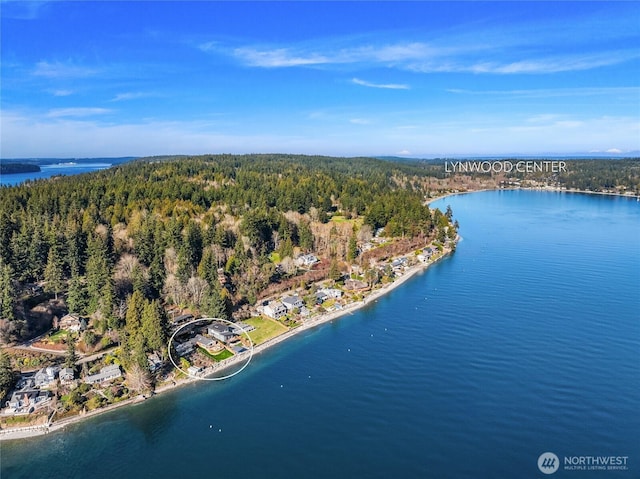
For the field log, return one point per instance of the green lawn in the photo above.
(265, 329)
(58, 336)
(224, 354)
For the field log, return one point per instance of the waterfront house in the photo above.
(45, 377)
(184, 348)
(275, 309)
(321, 297)
(238, 328)
(154, 361)
(194, 370)
(292, 302)
(107, 373)
(26, 401)
(204, 342)
(66, 375)
(222, 332)
(331, 293)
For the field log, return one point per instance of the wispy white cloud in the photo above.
(129, 96)
(556, 64)
(551, 92)
(279, 57)
(498, 56)
(389, 86)
(360, 121)
(61, 92)
(77, 112)
(62, 70)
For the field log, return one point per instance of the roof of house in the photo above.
(291, 299)
(107, 372)
(219, 327)
(199, 339)
(275, 305)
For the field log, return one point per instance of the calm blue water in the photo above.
(49, 168)
(526, 340)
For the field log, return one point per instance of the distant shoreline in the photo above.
(551, 189)
(44, 429)
(17, 168)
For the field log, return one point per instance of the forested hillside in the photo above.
(209, 233)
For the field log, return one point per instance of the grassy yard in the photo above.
(58, 336)
(265, 329)
(224, 354)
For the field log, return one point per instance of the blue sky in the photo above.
(422, 79)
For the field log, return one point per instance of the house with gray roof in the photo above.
(292, 302)
(221, 331)
(107, 373)
(275, 309)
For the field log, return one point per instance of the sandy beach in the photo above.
(39, 430)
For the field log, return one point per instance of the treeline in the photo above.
(13, 168)
(193, 231)
(598, 175)
(583, 174)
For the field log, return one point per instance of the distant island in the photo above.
(14, 168)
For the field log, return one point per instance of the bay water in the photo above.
(526, 340)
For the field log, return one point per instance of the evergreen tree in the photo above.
(352, 249)
(70, 357)
(78, 296)
(98, 272)
(154, 326)
(448, 213)
(6, 231)
(7, 375)
(133, 318)
(38, 253)
(53, 272)
(306, 236)
(214, 304)
(7, 292)
(334, 270)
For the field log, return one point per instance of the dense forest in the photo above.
(208, 233)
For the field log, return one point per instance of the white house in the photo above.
(331, 293)
(306, 260)
(107, 373)
(46, 376)
(72, 322)
(275, 309)
(292, 302)
(66, 375)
